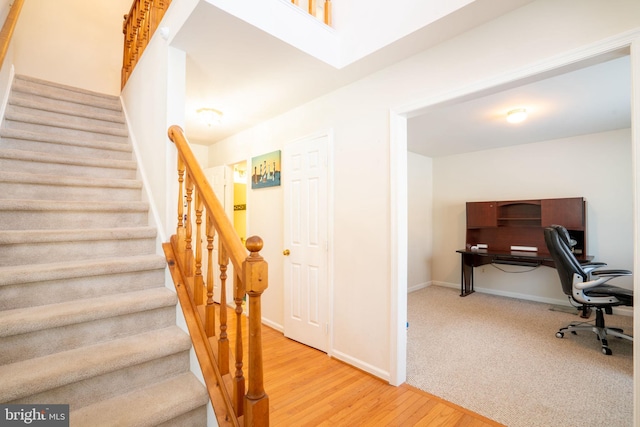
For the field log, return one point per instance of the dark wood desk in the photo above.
(476, 258)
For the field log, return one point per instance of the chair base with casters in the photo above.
(587, 287)
(601, 331)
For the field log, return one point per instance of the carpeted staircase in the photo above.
(85, 318)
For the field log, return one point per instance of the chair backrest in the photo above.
(566, 263)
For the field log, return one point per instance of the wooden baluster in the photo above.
(198, 280)
(125, 52)
(328, 12)
(143, 25)
(180, 230)
(147, 26)
(210, 309)
(295, 2)
(256, 281)
(238, 380)
(188, 248)
(312, 7)
(136, 33)
(223, 341)
(158, 8)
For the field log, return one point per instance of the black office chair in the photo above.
(586, 286)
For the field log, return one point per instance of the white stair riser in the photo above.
(52, 340)
(84, 285)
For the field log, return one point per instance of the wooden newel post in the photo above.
(256, 281)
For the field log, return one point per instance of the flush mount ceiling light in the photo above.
(210, 116)
(517, 115)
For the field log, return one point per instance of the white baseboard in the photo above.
(624, 311)
(419, 286)
(384, 375)
(278, 327)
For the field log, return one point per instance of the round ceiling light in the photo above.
(210, 116)
(517, 115)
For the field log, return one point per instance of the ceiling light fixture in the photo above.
(210, 116)
(517, 115)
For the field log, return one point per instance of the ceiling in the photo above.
(590, 99)
(252, 76)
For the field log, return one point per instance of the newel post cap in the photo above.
(256, 274)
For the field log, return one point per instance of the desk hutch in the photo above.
(512, 232)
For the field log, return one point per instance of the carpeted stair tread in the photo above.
(57, 123)
(71, 206)
(36, 375)
(32, 156)
(70, 181)
(21, 134)
(151, 406)
(85, 316)
(13, 275)
(32, 247)
(29, 319)
(12, 237)
(65, 93)
(53, 107)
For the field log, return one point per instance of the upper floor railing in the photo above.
(200, 218)
(320, 9)
(139, 25)
(145, 15)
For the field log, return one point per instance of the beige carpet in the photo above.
(500, 358)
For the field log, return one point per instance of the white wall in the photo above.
(5, 5)
(358, 115)
(420, 221)
(74, 42)
(153, 99)
(359, 22)
(597, 167)
(6, 68)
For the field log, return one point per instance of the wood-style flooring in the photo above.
(308, 388)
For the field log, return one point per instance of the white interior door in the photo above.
(221, 180)
(304, 172)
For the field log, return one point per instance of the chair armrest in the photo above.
(611, 273)
(590, 266)
(601, 276)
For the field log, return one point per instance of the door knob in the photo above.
(286, 252)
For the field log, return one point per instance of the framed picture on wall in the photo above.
(265, 170)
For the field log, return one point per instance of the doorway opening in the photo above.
(240, 200)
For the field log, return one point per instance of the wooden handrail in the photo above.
(223, 372)
(236, 251)
(138, 27)
(8, 27)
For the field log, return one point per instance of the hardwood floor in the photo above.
(308, 388)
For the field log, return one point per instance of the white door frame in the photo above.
(398, 179)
